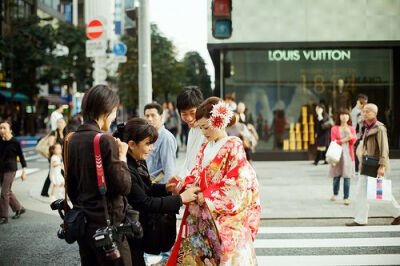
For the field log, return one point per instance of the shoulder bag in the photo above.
(370, 164)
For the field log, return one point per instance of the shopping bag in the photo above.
(334, 153)
(379, 189)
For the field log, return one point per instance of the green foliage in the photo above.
(169, 75)
(196, 73)
(28, 46)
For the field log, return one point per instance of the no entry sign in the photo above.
(94, 29)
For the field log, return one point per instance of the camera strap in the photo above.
(101, 182)
(65, 158)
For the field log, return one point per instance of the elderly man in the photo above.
(376, 140)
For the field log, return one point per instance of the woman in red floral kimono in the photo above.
(220, 227)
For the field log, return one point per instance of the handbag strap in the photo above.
(101, 182)
(66, 147)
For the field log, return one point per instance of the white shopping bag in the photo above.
(334, 152)
(379, 189)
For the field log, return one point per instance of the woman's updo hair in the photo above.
(205, 108)
(136, 129)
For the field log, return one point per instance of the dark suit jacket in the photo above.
(81, 181)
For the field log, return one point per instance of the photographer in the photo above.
(156, 204)
(99, 107)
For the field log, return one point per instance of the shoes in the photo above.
(333, 198)
(396, 221)
(315, 163)
(18, 213)
(346, 202)
(3, 220)
(354, 224)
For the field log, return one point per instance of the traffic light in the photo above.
(221, 19)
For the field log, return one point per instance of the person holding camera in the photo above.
(156, 204)
(99, 108)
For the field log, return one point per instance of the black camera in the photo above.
(58, 205)
(106, 237)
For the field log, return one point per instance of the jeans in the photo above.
(346, 186)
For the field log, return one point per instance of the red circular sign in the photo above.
(94, 29)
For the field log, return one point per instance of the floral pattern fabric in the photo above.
(231, 193)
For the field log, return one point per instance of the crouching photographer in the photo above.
(97, 186)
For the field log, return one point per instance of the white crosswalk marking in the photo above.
(367, 245)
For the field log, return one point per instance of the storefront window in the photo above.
(280, 88)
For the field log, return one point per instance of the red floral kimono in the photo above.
(223, 229)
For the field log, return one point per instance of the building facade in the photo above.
(285, 56)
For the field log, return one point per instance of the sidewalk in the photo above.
(298, 189)
(295, 189)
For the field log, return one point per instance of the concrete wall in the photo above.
(312, 20)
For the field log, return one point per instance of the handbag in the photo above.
(75, 221)
(42, 147)
(159, 233)
(370, 164)
(379, 189)
(333, 153)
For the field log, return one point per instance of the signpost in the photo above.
(119, 48)
(96, 48)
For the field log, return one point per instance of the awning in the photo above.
(16, 97)
(53, 99)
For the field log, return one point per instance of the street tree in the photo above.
(196, 72)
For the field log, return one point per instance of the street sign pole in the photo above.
(145, 86)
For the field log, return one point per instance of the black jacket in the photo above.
(9, 150)
(146, 197)
(81, 181)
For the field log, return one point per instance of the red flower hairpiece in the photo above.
(221, 114)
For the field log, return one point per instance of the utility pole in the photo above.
(145, 85)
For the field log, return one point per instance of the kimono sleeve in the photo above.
(232, 193)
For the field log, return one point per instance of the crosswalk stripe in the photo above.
(386, 259)
(327, 229)
(333, 242)
(34, 157)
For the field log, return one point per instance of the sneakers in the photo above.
(354, 224)
(18, 213)
(333, 198)
(3, 220)
(396, 221)
(346, 202)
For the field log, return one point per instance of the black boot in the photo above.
(324, 157)
(317, 157)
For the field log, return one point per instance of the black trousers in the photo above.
(91, 255)
(46, 185)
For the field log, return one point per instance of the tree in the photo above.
(167, 72)
(27, 49)
(196, 72)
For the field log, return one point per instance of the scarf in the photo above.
(368, 127)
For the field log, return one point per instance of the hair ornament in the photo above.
(221, 115)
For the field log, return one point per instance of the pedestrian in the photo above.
(358, 121)
(56, 175)
(230, 100)
(345, 135)
(56, 136)
(161, 161)
(223, 223)
(99, 109)
(10, 149)
(146, 197)
(173, 122)
(239, 129)
(322, 128)
(374, 143)
(187, 102)
(55, 116)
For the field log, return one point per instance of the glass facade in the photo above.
(280, 87)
